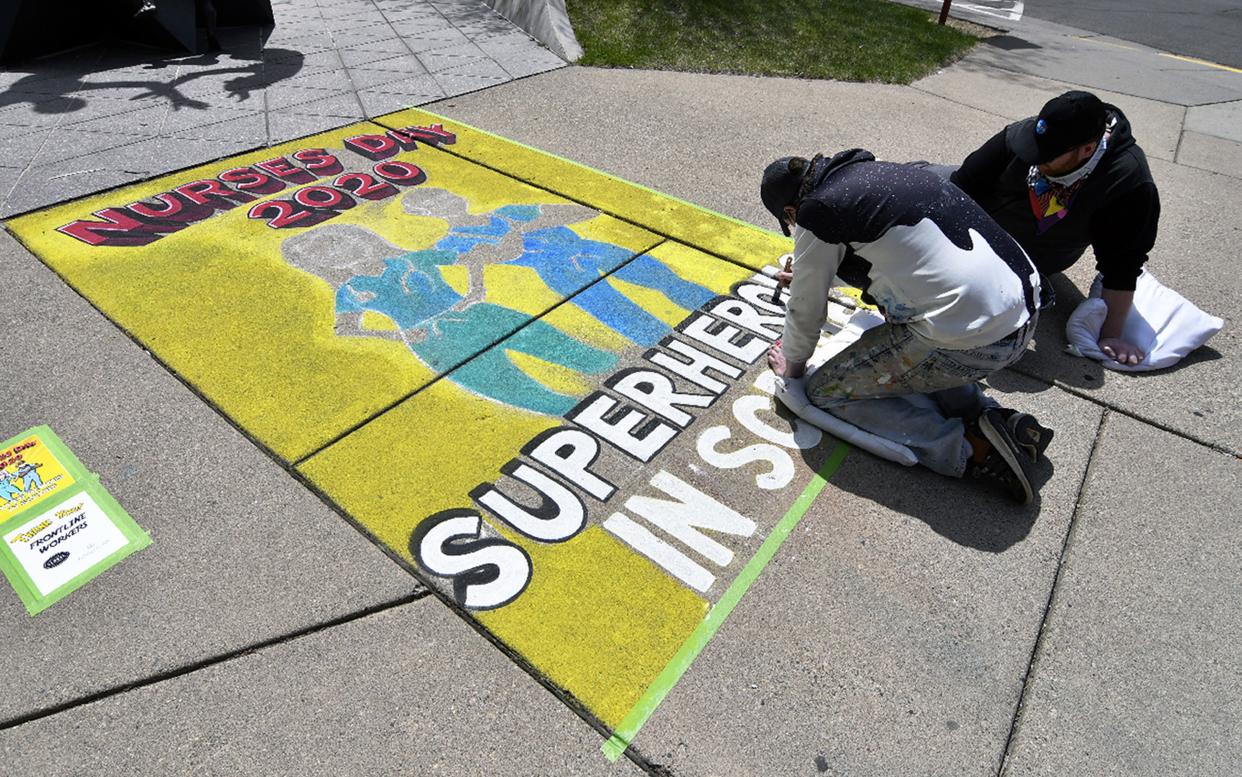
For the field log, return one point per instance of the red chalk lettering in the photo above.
(170, 208)
(284, 214)
(433, 135)
(250, 180)
(281, 168)
(404, 140)
(364, 186)
(323, 197)
(374, 147)
(319, 161)
(401, 173)
(118, 228)
(213, 194)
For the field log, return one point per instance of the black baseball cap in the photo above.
(781, 181)
(1070, 120)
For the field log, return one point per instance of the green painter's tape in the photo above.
(698, 639)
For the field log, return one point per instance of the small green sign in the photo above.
(58, 526)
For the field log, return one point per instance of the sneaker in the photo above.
(1032, 436)
(1006, 462)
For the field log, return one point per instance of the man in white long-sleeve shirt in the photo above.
(959, 298)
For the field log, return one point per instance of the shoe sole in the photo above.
(1004, 445)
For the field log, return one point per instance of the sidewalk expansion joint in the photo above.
(1033, 661)
(1181, 135)
(1130, 414)
(1086, 87)
(288, 467)
(207, 663)
(633, 753)
(564, 196)
(443, 375)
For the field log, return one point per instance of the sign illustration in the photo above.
(59, 528)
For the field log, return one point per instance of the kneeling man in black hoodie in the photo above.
(1066, 179)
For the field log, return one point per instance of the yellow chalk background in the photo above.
(255, 335)
(220, 305)
(597, 619)
(681, 221)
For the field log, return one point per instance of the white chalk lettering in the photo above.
(690, 511)
(668, 558)
(559, 516)
(760, 297)
(569, 453)
(744, 315)
(725, 338)
(694, 370)
(746, 409)
(621, 429)
(486, 572)
(782, 466)
(654, 391)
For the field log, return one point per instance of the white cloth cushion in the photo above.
(792, 394)
(1163, 324)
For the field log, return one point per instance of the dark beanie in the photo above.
(781, 181)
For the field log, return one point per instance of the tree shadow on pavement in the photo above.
(51, 89)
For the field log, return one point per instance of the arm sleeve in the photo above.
(1122, 234)
(815, 265)
(980, 171)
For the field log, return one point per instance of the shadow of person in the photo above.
(972, 513)
(42, 103)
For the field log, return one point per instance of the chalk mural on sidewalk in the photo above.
(407, 296)
(540, 386)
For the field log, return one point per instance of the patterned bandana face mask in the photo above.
(1051, 196)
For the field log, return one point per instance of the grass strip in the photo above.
(844, 40)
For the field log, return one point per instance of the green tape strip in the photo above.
(698, 639)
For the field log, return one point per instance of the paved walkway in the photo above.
(908, 626)
(101, 117)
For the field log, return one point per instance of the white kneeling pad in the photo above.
(792, 394)
(1163, 324)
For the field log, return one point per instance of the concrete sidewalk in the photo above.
(910, 626)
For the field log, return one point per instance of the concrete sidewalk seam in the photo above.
(1131, 414)
(1181, 135)
(410, 395)
(632, 753)
(1088, 88)
(1032, 663)
(288, 467)
(920, 90)
(205, 663)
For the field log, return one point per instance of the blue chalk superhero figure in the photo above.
(445, 333)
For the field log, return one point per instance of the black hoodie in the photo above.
(1115, 212)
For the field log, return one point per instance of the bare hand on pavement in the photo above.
(1120, 351)
(778, 364)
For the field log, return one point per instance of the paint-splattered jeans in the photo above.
(899, 386)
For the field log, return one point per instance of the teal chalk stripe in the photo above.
(698, 639)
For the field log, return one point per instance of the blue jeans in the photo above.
(894, 384)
